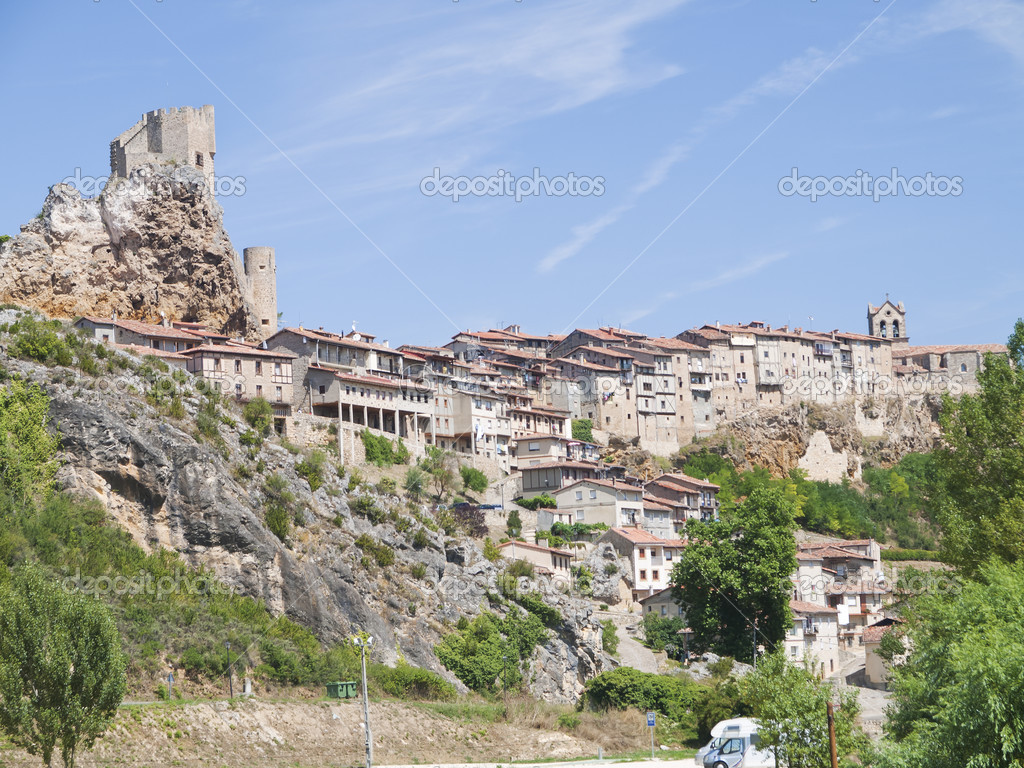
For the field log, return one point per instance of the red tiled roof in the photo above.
(640, 536)
(237, 351)
(608, 351)
(617, 485)
(679, 479)
(652, 503)
(587, 365)
(141, 350)
(875, 634)
(333, 338)
(535, 547)
(598, 334)
(941, 349)
(802, 606)
(662, 342)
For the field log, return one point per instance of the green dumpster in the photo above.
(348, 689)
(334, 690)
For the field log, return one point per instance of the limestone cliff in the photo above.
(831, 442)
(168, 489)
(151, 244)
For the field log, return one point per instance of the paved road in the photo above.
(633, 654)
(685, 763)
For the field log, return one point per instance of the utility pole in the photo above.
(755, 645)
(504, 680)
(363, 645)
(231, 687)
(832, 734)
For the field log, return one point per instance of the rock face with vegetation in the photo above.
(879, 430)
(150, 245)
(180, 470)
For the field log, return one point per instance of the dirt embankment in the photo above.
(244, 734)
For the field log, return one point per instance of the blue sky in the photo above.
(690, 111)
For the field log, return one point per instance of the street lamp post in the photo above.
(363, 644)
(231, 686)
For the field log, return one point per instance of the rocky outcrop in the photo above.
(170, 490)
(831, 441)
(152, 245)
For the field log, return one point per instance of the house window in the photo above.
(238, 390)
(654, 574)
(277, 369)
(579, 495)
(259, 390)
(322, 389)
(533, 447)
(664, 610)
(259, 368)
(579, 515)
(593, 494)
(238, 366)
(643, 552)
(643, 575)
(792, 651)
(216, 363)
(278, 394)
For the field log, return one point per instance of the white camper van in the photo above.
(735, 744)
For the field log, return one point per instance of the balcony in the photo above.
(823, 351)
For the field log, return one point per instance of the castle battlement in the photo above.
(184, 135)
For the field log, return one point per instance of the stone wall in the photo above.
(183, 135)
(308, 431)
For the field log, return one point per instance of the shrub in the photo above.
(418, 570)
(538, 502)
(610, 569)
(420, 539)
(415, 483)
(364, 506)
(278, 521)
(380, 450)
(473, 479)
(279, 505)
(584, 579)
(408, 682)
(894, 555)
(387, 486)
(609, 638)
(514, 524)
(518, 569)
(259, 415)
(583, 429)
(475, 651)
(491, 551)
(569, 720)
(470, 520)
(626, 688)
(311, 469)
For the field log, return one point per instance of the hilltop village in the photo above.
(537, 414)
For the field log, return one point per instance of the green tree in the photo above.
(415, 482)
(583, 429)
(438, 464)
(735, 573)
(259, 415)
(982, 464)
(27, 448)
(958, 699)
(473, 479)
(62, 671)
(790, 707)
(514, 524)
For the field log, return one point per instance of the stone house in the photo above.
(246, 372)
(813, 639)
(688, 497)
(167, 337)
(651, 558)
(546, 561)
(592, 501)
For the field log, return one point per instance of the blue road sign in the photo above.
(650, 719)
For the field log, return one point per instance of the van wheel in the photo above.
(721, 765)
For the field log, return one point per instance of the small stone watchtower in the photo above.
(888, 321)
(261, 277)
(184, 135)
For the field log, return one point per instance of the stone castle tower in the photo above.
(179, 134)
(888, 321)
(261, 280)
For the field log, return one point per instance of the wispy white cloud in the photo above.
(649, 308)
(788, 79)
(829, 223)
(470, 72)
(739, 272)
(583, 234)
(999, 22)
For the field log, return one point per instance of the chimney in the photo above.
(163, 319)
